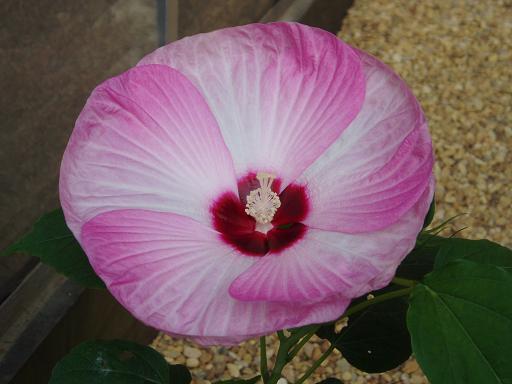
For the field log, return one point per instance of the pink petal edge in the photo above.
(381, 164)
(281, 92)
(325, 263)
(173, 273)
(145, 139)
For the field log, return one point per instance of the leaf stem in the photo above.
(290, 346)
(285, 345)
(299, 346)
(263, 359)
(441, 226)
(315, 365)
(281, 360)
(404, 282)
(351, 311)
(376, 300)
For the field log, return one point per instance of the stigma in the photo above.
(262, 203)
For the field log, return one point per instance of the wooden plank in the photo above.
(167, 21)
(327, 14)
(172, 21)
(96, 315)
(197, 16)
(287, 10)
(29, 313)
(78, 44)
(13, 270)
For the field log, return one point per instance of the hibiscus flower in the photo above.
(247, 180)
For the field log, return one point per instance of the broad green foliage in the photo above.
(430, 213)
(375, 339)
(117, 362)
(479, 251)
(460, 320)
(179, 374)
(420, 260)
(51, 240)
(459, 316)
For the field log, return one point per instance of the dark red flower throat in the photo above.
(238, 229)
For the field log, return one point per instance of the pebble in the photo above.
(317, 353)
(456, 57)
(248, 371)
(205, 358)
(192, 362)
(233, 369)
(172, 353)
(192, 352)
(410, 366)
(405, 378)
(342, 365)
(308, 349)
(289, 373)
(417, 379)
(247, 358)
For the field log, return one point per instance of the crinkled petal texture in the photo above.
(145, 139)
(157, 146)
(281, 93)
(324, 263)
(369, 193)
(381, 165)
(173, 273)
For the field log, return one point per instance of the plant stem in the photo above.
(281, 360)
(376, 300)
(290, 346)
(263, 359)
(301, 332)
(315, 365)
(404, 282)
(351, 311)
(285, 345)
(299, 346)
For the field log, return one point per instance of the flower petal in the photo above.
(281, 92)
(173, 273)
(379, 167)
(323, 263)
(294, 206)
(145, 139)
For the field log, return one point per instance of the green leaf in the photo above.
(376, 338)
(179, 374)
(440, 227)
(116, 362)
(460, 320)
(253, 380)
(479, 251)
(430, 214)
(420, 260)
(51, 240)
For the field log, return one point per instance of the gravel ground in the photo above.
(456, 55)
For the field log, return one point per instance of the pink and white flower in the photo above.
(247, 180)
